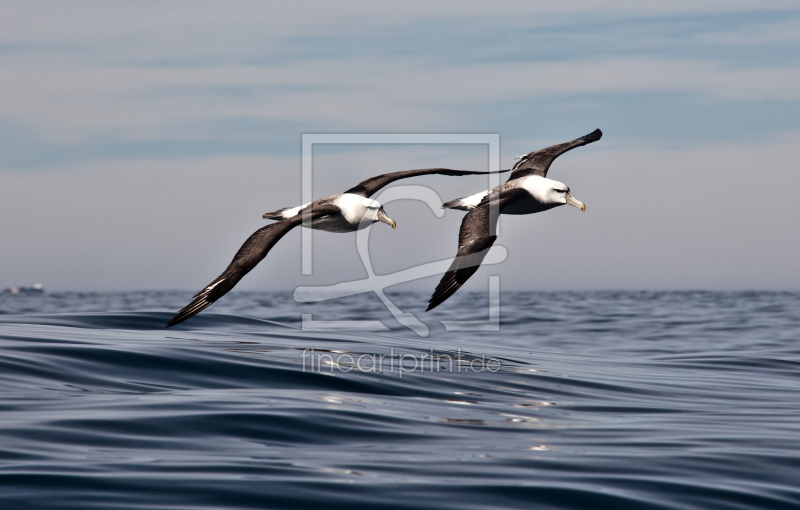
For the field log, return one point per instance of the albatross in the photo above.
(527, 191)
(347, 212)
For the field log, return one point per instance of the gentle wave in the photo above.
(594, 400)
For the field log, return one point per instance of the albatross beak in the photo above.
(382, 216)
(574, 201)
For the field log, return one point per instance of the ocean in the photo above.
(634, 400)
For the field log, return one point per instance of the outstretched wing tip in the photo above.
(197, 305)
(538, 162)
(438, 298)
(448, 285)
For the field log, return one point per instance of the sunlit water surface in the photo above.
(591, 400)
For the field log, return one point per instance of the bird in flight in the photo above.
(527, 191)
(347, 212)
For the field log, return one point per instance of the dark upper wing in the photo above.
(474, 240)
(369, 186)
(251, 253)
(537, 163)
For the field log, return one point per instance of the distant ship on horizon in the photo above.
(36, 288)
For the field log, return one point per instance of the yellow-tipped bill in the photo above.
(574, 201)
(382, 216)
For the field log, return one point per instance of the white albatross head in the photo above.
(360, 212)
(553, 193)
(376, 213)
(371, 211)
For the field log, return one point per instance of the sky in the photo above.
(140, 142)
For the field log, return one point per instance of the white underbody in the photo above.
(356, 214)
(538, 199)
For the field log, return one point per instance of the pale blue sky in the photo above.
(141, 141)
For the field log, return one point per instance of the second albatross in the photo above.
(527, 191)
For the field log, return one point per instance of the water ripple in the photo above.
(645, 400)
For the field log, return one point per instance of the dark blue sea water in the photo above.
(635, 400)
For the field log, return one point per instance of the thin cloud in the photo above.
(74, 103)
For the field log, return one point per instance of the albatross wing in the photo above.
(249, 255)
(368, 187)
(474, 242)
(538, 162)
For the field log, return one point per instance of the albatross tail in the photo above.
(466, 203)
